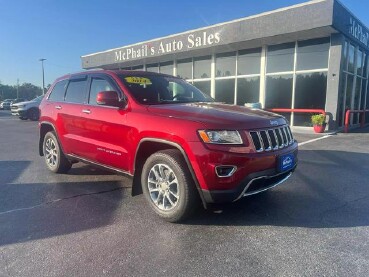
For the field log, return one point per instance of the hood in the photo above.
(220, 114)
(24, 103)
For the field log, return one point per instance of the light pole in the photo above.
(43, 75)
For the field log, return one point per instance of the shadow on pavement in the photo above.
(330, 189)
(32, 211)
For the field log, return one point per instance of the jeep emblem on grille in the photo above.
(274, 122)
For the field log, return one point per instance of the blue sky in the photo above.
(62, 31)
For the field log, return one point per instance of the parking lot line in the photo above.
(316, 139)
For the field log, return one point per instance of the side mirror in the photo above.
(109, 98)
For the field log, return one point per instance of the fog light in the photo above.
(225, 170)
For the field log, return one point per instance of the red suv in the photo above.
(177, 143)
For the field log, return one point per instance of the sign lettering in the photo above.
(192, 41)
(358, 32)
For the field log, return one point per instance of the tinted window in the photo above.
(166, 68)
(98, 85)
(76, 91)
(359, 63)
(226, 65)
(138, 67)
(184, 69)
(57, 93)
(312, 54)
(279, 92)
(152, 68)
(248, 90)
(351, 59)
(310, 93)
(202, 68)
(249, 62)
(280, 58)
(204, 86)
(224, 90)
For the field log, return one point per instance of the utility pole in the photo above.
(43, 74)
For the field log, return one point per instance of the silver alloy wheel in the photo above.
(163, 187)
(51, 154)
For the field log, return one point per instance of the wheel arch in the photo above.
(149, 146)
(45, 127)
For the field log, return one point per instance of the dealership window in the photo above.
(280, 58)
(204, 86)
(202, 67)
(351, 58)
(225, 65)
(225, 77)
(184, 68)
(248, 62)
(248, 76)
(166, 68)
(224, 90)
(248, 90)
(297, 71)
(202, 74)
(355, 78)
(312, 54)
(310, 93)
(152, 68)
(278, 92)
(138, 67)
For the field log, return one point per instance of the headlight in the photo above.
(220, 136)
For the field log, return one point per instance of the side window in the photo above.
(76, 91)
(98, 85)
(58, 91)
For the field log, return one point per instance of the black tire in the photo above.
(33, 114)
(54, 157)
(23, 118)
(177, 182)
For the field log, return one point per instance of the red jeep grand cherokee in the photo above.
(177, 143)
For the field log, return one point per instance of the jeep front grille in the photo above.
(272, 139)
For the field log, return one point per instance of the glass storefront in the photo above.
(299, 72)
(202, 68)
(310, 93)
(248, 90)
(294, 76)
(354, 83)
(184, 69)
(278, 92)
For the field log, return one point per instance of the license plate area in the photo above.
(286, 162)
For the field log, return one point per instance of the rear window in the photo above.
(57, 94)
(157, 89)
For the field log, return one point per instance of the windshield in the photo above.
(156, 89)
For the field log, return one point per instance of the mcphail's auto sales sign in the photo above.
(192, 41)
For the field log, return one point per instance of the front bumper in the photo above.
(254, 183)
(18, 112)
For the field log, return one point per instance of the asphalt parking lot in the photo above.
(85, 223)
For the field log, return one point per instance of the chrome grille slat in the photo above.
(272, 139)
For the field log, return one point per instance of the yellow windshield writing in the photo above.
(138, 80)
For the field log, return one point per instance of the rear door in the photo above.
(70, 118)
(105, 131)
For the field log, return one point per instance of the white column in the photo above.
(262, 76)
(212, 82)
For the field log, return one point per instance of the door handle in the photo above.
(58, 107)
(86, 111)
